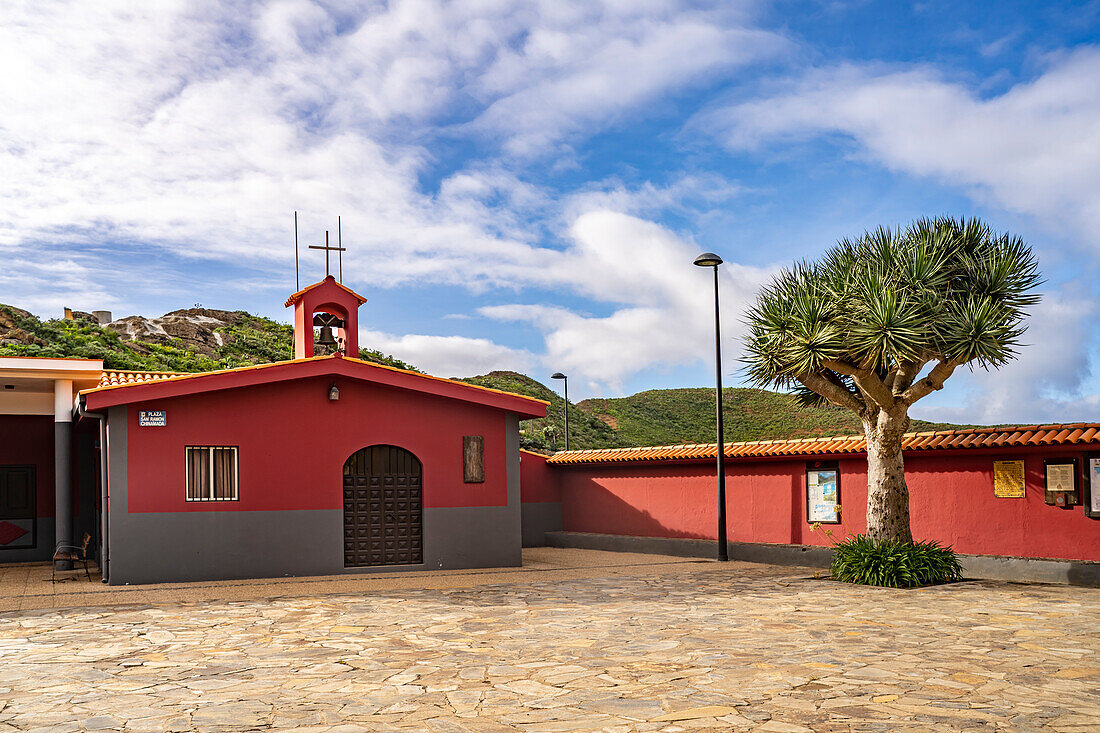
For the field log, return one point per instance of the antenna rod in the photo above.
(297, 287)
(340, 244)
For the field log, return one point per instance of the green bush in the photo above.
(862, 560)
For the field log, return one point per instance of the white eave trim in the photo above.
(34, 368)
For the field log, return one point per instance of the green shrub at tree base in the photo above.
(894, 564)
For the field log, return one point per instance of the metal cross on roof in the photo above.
(327, 250)
(327, 247)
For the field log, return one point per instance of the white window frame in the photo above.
(187, 472)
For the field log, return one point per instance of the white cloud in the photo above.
(448, 356)
(1034, 149)
(70, 285)
(692, 193)
(667, 312)
(567, 75)
(193, 129)
(198, 126)
(1045, 384)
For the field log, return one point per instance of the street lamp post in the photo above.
(709, 259)
(559, 375)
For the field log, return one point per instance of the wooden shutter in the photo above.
(473, 459)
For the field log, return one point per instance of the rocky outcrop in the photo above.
(192, 328)
(10, 332)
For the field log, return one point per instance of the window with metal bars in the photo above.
(211, 473)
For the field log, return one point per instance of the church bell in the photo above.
(327, 322)
(326, 338)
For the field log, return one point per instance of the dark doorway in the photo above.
(18, 522)
(383, 509)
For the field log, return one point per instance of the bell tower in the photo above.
(331, 307)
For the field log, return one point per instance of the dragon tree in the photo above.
(884, 320)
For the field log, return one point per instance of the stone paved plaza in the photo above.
(661, 646)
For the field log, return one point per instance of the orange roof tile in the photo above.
(125, 378)
(298, 296)
(122, 383)
(115, 377)
(913, 442)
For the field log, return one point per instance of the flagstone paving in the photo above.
(694, 647)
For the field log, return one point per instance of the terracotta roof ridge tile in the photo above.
(178, 376)
(961, 438)
(295, 297)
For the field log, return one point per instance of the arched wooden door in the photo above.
(383, 508)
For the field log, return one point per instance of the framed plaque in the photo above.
(822, 492)
(1091, 498)
(1008, 479)
(1061, 481)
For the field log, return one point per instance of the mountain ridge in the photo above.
(205, 339)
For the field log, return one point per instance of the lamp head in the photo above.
(333, 392)
(708, 259)
(558, 375)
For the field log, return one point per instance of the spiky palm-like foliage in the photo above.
(860, 327)
(894, 564)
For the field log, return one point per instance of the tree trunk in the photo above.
(887, 493)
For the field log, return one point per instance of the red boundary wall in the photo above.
(538, 481)
(951, 501)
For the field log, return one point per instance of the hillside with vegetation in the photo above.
(188, 340)
(203, 339)
(667, 416)
(548, 434)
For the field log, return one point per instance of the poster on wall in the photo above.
(1008, 479)
(822, 493)
(1092, 482)
(1061, 481)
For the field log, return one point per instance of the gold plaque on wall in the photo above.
(1008, 479)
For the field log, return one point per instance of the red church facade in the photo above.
(319, 465)
(289, 508)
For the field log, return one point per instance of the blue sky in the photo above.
(524, 184)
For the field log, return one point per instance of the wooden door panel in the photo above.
(383, 510)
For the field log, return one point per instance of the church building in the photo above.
(327, 464)
(316, 465)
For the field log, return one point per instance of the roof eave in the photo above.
(108, 396)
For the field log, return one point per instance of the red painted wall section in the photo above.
(293, 442)
(650, 500)
(538, 482)
(28, 440)
(951, 501)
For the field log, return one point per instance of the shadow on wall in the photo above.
(642, 504)
(764, 501)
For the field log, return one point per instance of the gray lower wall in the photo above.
(540, 517)
(216, 545)
(984, 567)
(183, 546)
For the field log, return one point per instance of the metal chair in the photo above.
(73, 554)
